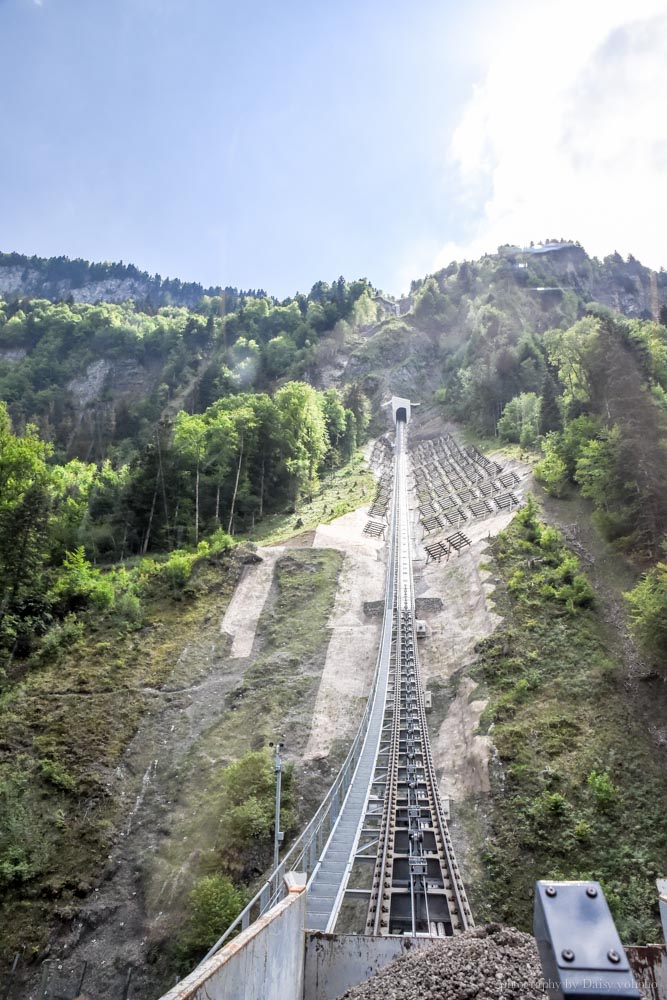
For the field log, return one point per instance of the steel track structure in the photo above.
(398, 868)
(416, 887)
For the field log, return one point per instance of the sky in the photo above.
(273, 145)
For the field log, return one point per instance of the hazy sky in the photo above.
(274, 144)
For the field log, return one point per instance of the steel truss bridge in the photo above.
(378, 855)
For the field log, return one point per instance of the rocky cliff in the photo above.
(59, 278)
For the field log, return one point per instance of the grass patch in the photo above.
(64, 725)
(489, 445)
(340, 492)
(577, 788)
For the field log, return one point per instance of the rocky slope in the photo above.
(58, 278)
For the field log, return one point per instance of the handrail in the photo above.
(304, 854)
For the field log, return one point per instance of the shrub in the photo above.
(648, 606)
(583, 831)
(550, 540)
(213, 904)
(516, 582)
(79, 584)
(56, 774)
(128, 607)
(176, 570)
(576, 594)
(548, 807)
(248, 812)
(220, 541)
(603, 789)
(61, 636)
(528, 520)
(552, 471)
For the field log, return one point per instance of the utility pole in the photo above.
(278, 835)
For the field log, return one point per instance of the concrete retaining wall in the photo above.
(336, 962)
(265, 962)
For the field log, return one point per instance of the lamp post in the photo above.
(278, 835)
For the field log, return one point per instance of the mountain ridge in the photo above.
(61, 278)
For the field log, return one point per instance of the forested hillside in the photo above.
(78, 280)
(140, 441)
(149, 428)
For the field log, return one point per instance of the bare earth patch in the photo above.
(467, 755)
(354, 637)
(242, 615)
(353, 647)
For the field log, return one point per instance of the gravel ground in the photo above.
(487, 963)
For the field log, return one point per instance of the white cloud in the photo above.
(566, 135)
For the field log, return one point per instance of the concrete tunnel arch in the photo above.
(401, 409)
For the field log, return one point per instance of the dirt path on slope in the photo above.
(355, 637)
(242, 615)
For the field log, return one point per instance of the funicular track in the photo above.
(377, 856)
(396, 870)
(416, 885)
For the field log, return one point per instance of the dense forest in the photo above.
(60, 360)
(208, 475)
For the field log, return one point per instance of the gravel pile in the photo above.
(487, 963)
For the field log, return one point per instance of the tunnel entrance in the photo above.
(401, 409)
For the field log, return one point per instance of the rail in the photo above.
(416, 884)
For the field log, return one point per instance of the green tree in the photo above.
(520, 419)
(79, 584)
(356, 400)
(221, 444)
(334, 418)
(304, 433)
(602, 475)
(569, 351)
(25, 509)
(245, 425)
(190, 440)
(279, 355)
(550, 415)
(71, 488)
(551, 471)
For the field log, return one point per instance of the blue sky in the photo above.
(272, 145)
